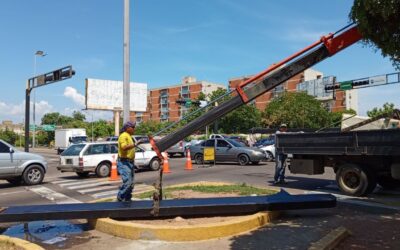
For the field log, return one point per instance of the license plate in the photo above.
(68, 161)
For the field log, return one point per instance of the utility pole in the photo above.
(126, 73)
(38, 53)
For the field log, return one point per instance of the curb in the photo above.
(136, 231)
(7, 242)
(331, 240)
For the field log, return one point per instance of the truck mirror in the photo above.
(70, 139)
(11, 151)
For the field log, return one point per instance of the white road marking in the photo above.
(63, 181)
(53, 195)
(81, 182)
(88, 185)
(105, 194)
(15, 192)
(85, 191)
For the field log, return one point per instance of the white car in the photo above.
(269, 152)
(97, 157)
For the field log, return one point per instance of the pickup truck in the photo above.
(360, 159)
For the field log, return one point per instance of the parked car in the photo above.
(265, 142)
(179, 148)
(213, 136)
(227, 150)
(269, 151)
(20, 167)
(238, 139)
(97, 157)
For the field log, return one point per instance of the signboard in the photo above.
(346, 85)
(209, 154)
(107, 95)
(48, 127)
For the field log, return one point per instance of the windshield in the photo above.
(235, 143)
(144, 139)
(78, 139)
(73, 150)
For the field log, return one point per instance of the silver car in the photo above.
(228, 150)
(20, 167)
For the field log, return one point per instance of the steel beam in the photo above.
(168, 208)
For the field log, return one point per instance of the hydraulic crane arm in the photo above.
(267, 80)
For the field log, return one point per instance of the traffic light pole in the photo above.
(38, 81)
(27, 109)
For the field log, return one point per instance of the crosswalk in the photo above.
(97, 188)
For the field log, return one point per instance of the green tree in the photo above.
(298, 110)
(78, 116)
(378, 22)
(8, 136)
(387, 108)
(241, 120)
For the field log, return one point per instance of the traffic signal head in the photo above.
(56, 75)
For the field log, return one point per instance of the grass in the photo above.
(240, 189)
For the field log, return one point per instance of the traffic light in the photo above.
(332, 87)
(360, 83)
(55, 76)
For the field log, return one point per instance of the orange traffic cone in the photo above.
(188, 160)
(165, 168)
(114, 172)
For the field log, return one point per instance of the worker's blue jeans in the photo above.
(280, 167)
(126, 170)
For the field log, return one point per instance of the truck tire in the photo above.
(355, 180)
(387, 182)
(33, 175)
(103, 169)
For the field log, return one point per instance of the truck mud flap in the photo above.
(195, 207)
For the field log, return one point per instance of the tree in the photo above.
(336, 117)
(298, 110)
(8, 136)
(78, 116)
(387, 108)
(241, 120)
(378, 22)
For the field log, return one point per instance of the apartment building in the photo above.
(161, 102)
(9, 125)
(310, 81)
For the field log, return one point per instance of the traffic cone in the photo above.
(114, 172)
(165, 168)
(188, 160)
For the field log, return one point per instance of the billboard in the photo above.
(107, 95)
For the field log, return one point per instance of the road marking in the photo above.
(63, 181)
(105, 194)
(89, 185)
(53, 195)
(79, 182)
(90, 190)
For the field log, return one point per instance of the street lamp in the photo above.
(39, 53)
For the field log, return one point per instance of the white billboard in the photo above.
(107, 95)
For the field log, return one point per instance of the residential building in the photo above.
(161, 102)
(9, 125)
(312, 82)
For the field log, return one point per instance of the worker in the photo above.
(280, 158)
(125, 163)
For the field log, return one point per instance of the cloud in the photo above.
(303, 35)
(73, 94)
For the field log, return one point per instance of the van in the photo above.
(97, 158)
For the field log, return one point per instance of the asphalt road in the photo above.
(68, 187)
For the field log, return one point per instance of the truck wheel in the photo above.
(103, 169)
(355, 180)
(33, 175)
(198, 159)
(243, 160)
(387, 182)
(155, 164)
(82, 174)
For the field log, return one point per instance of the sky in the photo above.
(212, 40)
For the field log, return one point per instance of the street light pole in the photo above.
(38, 53)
